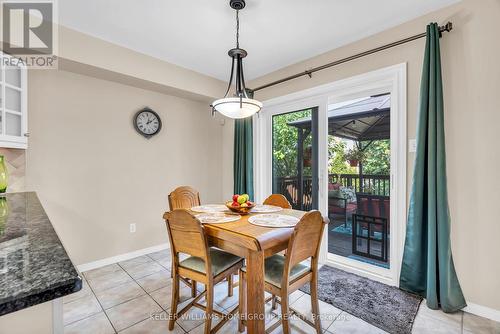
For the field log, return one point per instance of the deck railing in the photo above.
(373, 184)
(301, 197)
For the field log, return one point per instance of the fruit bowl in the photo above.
(242, 210)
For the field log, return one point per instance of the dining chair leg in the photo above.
(285, 311)
(230, 286)
(315, 303)
(193, 288)
(175, 300)
(209, 308)
(242, 302)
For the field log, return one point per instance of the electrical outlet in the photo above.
(132, 228)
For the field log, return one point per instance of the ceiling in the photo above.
(197, 34)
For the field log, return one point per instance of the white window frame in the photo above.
(390, 79)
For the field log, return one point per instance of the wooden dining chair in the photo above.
(183, 197)
(206, 265)
(278, 200)
(286, 274)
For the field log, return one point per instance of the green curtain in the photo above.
(428, 268)
(243, 157)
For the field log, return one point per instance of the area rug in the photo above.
(383, 306)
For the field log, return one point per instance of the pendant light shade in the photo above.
(235, 107)
(241, 103)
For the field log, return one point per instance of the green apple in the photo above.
(244, 205)
(246, 196)
(242, 199)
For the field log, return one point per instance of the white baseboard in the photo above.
(121, 257)
(483, 311)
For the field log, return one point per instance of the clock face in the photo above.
(147, 122)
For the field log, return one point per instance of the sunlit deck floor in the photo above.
(341, 244)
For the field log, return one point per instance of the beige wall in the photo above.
(95, 175)
(471, 69)
(81, 52)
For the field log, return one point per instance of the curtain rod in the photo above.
(447, 27)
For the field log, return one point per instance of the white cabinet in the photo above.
(13, 105)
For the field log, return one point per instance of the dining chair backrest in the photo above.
(278, 200)
(305, 240)
(187, 235)
(183, 197)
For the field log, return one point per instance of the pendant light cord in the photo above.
(237, 29)
(247, 106)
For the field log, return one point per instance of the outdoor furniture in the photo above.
(340, 206)
(373, 205)
(372, 216)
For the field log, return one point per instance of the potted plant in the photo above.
(354, 156)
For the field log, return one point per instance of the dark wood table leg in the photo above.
(255, 293)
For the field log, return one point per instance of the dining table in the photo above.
(254, 243)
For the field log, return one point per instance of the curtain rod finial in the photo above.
(448, 26)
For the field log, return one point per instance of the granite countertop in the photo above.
(34, 266)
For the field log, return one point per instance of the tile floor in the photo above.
(134, 297)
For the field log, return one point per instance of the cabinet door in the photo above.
(13, 129)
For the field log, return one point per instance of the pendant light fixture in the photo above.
(240, 104)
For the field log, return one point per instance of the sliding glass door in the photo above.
(295, 157)
(359, 169)
(357, 138)
(341, 148)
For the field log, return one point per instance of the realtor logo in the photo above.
(28, 28)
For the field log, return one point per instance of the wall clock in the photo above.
(147, 122)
